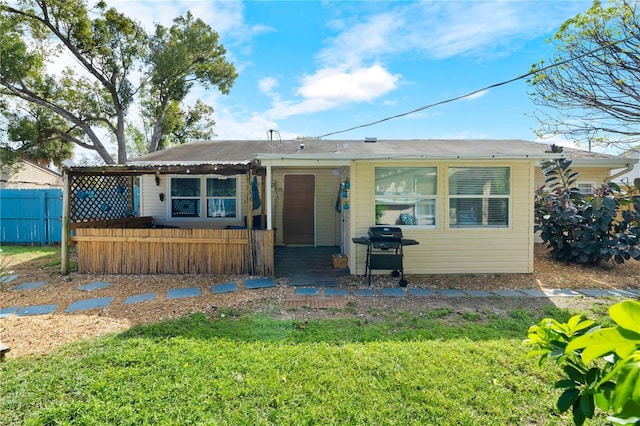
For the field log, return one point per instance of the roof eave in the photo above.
(335, 156)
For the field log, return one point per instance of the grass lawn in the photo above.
(250, 369)
(48, 255)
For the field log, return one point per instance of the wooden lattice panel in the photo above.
(100, 197)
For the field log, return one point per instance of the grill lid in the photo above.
(385, 233)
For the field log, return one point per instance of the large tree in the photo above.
(590, 90)
(114, 66)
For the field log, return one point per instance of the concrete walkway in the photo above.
(306, 292)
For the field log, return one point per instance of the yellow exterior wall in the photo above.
(452, 251)
(595, 175)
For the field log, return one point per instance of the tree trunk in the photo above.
(157, 134)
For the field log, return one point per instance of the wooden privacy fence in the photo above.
(173, 251)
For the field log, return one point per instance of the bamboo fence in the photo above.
(174, 251)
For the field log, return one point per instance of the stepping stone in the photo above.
(5, 312)
(534, 292)
(336, 292)
(421, 292)
(560, 292)
(307, 291)
(30, 286)
(623, 293)
(82, 305)
(450, 292)
(181, 293)
(393, 292)
(224, 288)
(364, 292)
(509, 293)
(146, 297)
(94, 286)
(478, 293)
(594, 292)
(36, 310)
(8, 278)
(254, 283)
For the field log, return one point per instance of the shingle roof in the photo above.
(243, 151)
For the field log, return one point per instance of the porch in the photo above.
(308, 266)
(100, 217)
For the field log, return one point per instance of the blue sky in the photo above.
(308, 68)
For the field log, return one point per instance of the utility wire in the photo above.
(457, 98)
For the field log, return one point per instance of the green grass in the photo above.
(30, 251)
(431, 368)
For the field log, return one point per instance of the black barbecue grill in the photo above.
(384, 250)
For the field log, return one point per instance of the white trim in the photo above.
(508, 197)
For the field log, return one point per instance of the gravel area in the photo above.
(42, 334)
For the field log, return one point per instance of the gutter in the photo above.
(626, 170)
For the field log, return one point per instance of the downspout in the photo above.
(624, 171)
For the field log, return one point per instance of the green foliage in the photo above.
(588, 90)
(601, 365)
(586, 228)
(116, 63)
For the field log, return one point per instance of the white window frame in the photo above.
(582, 184)
(203, 199)
(454, 222)
(383, 197)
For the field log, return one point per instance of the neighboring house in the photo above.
(28, 175)
(595, 168)
(628, 177)
(469, 203)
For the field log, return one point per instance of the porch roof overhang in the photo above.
(170, 167)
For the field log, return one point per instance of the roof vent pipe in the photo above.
(370, 139)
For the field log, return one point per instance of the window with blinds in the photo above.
(479, 197)
(406, 195)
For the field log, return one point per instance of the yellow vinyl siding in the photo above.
(444, 250)
(587, 174)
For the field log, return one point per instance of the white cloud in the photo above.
(228, 127)
(331, 87)
(267, 85)
(442, 29)
(336, 85)
(476, 95)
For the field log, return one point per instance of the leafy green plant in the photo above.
(601, 364)
(586, 228)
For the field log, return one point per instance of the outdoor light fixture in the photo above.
(157, 179)
(161, 195)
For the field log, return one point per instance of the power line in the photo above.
(492, 86)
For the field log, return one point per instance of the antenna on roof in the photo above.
(273, 143)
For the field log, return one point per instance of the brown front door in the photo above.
(298, 209)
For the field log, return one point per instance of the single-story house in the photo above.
(468, 203)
